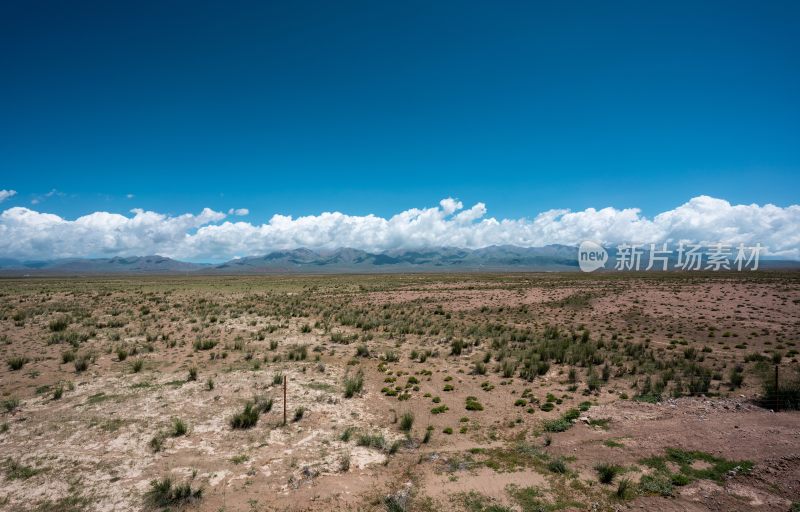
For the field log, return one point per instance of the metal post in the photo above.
(777, 390)
(284, 399)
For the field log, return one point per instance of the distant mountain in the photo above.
(551, 258)
(129, 265)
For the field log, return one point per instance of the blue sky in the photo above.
(299, 108)
(154, 111)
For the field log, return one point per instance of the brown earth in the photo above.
(91, 448)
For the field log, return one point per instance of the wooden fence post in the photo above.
(284, 399)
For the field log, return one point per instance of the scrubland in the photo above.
(478, 393)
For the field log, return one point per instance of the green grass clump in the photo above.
(650, 398)
(532, 499)
(157, 443)
(10, 404)
(58, 324)
(624, 489)
(476, 502)
(245, 419)
(239, 459)
(600, 423)
(557, 466)
(81, 364)
(179, 428)
(563, 423)
(656, 484)
(18, 471)
(347, 434)
(371, 441)
(785, 397)
(662, 481)
(263, 404)
(165, 493)
(353, 384)
(204, 344)
(473, 404)
(513, 457)
(406, 422)
(717, 468)
(607, 472)
(16, 363)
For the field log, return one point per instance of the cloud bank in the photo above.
(208, 236)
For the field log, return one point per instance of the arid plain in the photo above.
(473, 392)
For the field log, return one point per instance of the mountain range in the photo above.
(551, 258)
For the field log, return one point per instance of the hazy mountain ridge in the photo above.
(307, 260)
(117, 264)
(442, 259)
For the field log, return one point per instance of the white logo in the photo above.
(591, 256)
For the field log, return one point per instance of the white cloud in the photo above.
(5, 194)
(450, 205)
(25, 233)
(53, 192)
(129, 196)
(239, 211)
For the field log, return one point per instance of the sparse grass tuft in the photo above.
(165, 493)
(473, 404)
(624, 489)
(179, 428)
(607, 472)
(245, 419)
(16, 363)
(263, 404)
(18, 471)
(81, 363)
(10, 404)
(557, 466)
(58, 324)
(353, 384)
(406, 421)
(563, 423)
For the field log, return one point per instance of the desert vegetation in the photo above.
(403, 392)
